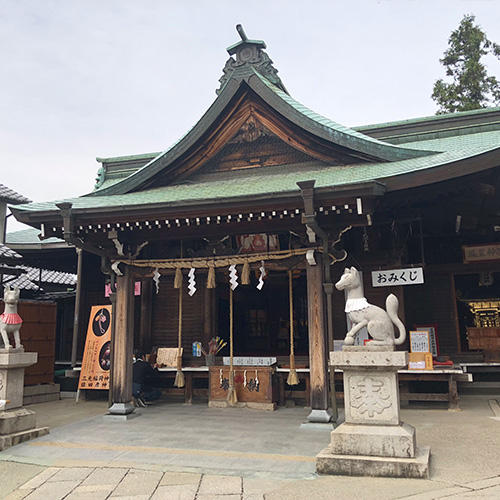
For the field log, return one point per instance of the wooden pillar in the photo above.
(122, 345)
(146, 312)
(317, 343)
(76, 316)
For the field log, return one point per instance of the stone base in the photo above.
(320, 416)
(120, 418)
(317, 426)
(8, 440)
(241, 404)
(380, 441)
(363, 465)
(18, 420)
(121, 408)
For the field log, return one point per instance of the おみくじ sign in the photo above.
(397, 277)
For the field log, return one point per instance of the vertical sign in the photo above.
(96, 356)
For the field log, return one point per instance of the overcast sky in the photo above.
(87, 78)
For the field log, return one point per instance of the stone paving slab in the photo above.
(175, 492)
(91, 492)
(179, 478)
(220, 485)
(71, 474)
(138, 483)
(107, 476)
(53, 490)
(40, 478)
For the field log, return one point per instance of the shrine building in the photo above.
(241, 229)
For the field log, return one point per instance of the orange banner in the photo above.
(97, 355)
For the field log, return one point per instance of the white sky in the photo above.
(87, 78)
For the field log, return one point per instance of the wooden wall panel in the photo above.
(432, 303)
(38, 334)
(165, 316)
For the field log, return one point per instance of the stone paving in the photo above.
(237, 454)
(82, 483)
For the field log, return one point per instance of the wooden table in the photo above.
(190, 373)
(449, 375)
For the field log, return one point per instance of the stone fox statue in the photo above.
(10, 321)
(379, 323)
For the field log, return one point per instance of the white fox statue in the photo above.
(379, 323)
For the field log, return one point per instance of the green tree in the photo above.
(471, 87)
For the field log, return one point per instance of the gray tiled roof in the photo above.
(30, 280)
(7, 253)
(10, 196)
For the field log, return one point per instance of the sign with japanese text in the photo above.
(97, 354)
(481, 253)
(432, 338)
(397, 277)
(420, 341)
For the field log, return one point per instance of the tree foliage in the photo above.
(471, 87)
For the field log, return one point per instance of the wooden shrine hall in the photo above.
(241, 228)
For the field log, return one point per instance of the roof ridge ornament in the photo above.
(248, 53)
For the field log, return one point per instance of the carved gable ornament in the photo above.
(249, 53)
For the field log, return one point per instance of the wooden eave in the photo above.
(208, 207)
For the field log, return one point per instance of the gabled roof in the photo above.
(250, 77)
(428, 150)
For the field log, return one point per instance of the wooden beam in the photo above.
(317, 342)
(122, 344)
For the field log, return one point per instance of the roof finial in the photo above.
(249, 56)
(241, 31)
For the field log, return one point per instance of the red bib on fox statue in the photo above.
(10, 321)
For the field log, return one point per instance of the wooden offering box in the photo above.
(484, 338)
(260, 390)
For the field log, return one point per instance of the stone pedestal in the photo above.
(17, 424)
(372, 441)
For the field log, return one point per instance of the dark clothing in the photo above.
(142, 373)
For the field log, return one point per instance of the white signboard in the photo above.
(419, 341)
(249, 361)
(397, 277)
(432, 338)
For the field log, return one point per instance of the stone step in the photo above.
(362, 465)
(9, 440)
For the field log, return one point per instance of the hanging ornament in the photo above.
(178, 278)
(245, 378)
(245, 273)
(233, 277)
(156, 279)
(191, 282)
(262, 270)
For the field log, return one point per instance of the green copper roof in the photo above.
(29, 237)
(420, 119)
(269, 182)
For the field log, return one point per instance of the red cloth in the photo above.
(11, 318)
